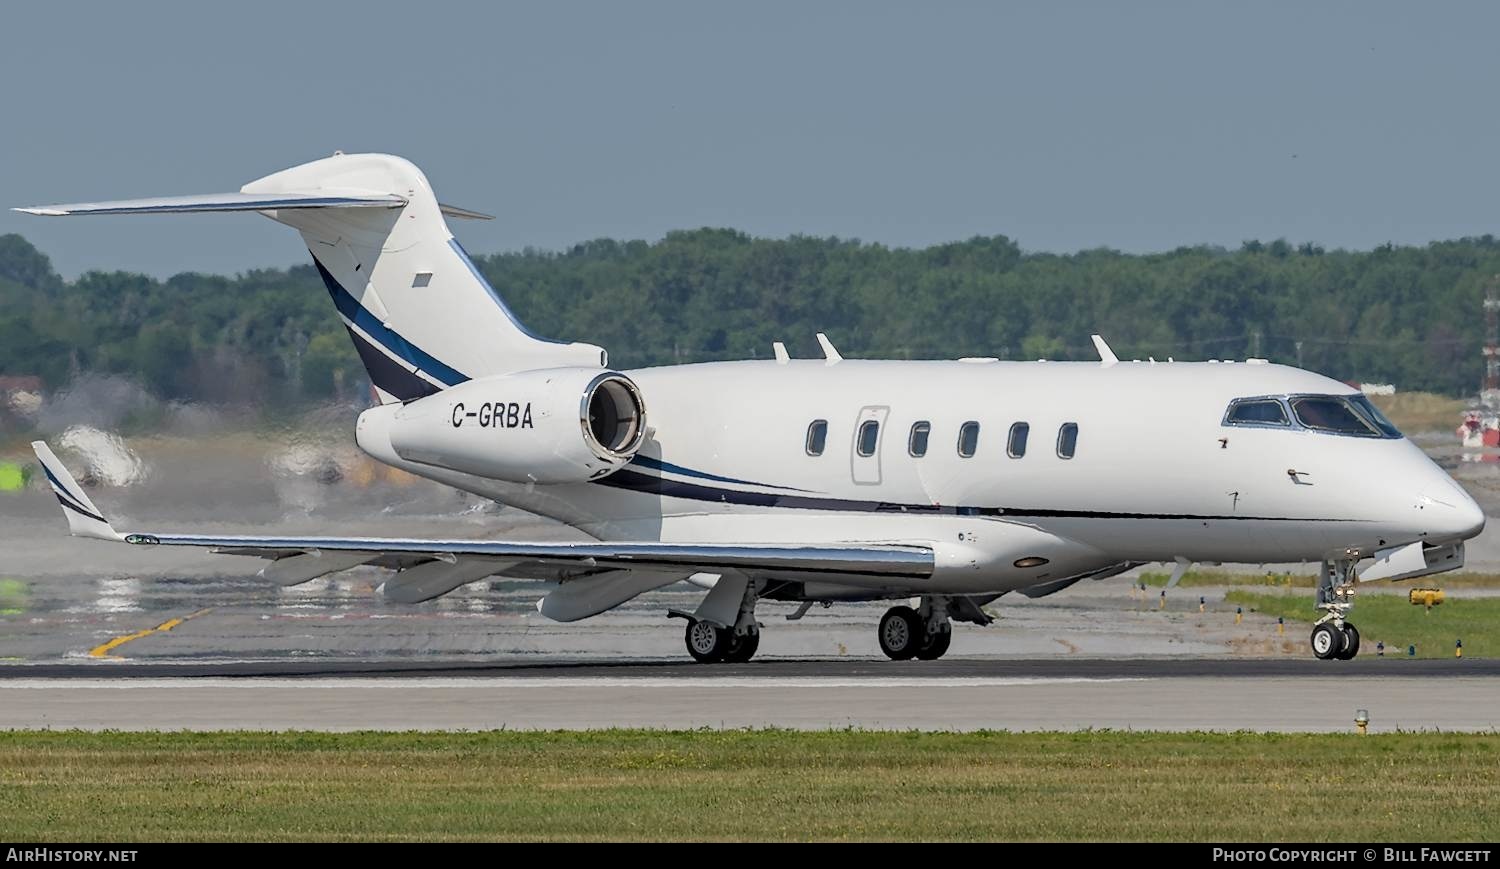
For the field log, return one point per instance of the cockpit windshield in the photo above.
(1347, 415)
(1332, 413)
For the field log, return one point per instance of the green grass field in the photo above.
(1391, 619)
(649, 785)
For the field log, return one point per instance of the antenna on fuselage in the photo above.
(1106, 356)
(1178, 572)
(830, 353)
(782, 357)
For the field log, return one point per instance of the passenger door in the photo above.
(864, 449)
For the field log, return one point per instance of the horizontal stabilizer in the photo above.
(463, 213)
(225, 202)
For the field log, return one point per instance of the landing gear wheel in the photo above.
(935, 644)
(707, 643)
(1327, 641)
(1351, 643)
(741, 647)
(901, 633)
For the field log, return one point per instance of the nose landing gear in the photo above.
(1333, 638)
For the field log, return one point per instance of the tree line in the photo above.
(1408, 315)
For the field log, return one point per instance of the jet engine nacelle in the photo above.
(555, 425)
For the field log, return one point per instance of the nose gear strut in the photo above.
(1333, 637)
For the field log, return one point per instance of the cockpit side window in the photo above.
(1257, 411)
(1372, 413)
(1332, 413)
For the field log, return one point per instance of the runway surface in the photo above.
(1269, 695)
(1368, 666)
(99, 636)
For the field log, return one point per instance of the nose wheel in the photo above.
(1333, 638)
(1332, 642)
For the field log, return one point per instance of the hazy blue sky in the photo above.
(1139, 126)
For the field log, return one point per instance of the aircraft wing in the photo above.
(429, 568)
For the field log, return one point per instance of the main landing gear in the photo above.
(712, 642)
(1333, 638)
(709, 643)
(923, 633)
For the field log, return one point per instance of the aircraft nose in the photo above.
(1449, 512)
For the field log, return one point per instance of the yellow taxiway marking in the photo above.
(103, 651)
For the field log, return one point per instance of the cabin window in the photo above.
(817, 437)
(869, 436)
(916, 443)
(968, 439)
(1257, 411)
(1331, 413)
(1015, 445)
(1067, 440)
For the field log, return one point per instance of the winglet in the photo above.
(84, 519)
(1106, 355)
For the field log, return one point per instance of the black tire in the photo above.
(742, 648)
(936, 644)
(1351, 643)
(705, 642)
(1327, 642)
(901, 633)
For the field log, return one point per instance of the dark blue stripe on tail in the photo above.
(387, 374)
(398, 346)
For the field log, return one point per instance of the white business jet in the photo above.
(813, 480)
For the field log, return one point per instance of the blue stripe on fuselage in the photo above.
(659, 465)
(634, 481)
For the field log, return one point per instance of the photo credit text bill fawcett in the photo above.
(1352, 855)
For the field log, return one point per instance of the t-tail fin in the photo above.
(419, 312)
